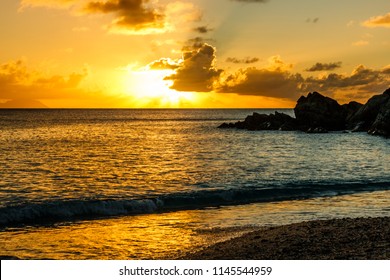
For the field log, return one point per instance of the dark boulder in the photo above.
(365, 117)
(318, 111)
(381, 126)
(227, 125)
(277, 121)
(350, 109)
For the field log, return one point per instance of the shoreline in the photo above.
(336, 239)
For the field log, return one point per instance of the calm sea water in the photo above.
(118, 184)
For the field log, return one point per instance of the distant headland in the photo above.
(316, 113)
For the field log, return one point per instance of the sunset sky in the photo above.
(191, 53)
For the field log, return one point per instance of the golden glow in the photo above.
(149, 89)
(71, 34)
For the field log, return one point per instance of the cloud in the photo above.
(247, 60)
(314, 20)
(17, 81)
(194, 44)
(362, 81)
(202, 29)
(360, 43)
(262, 82)
(251, 1)
(196, 71)
(378, 21)
(164, 64)
(59, 4)
(324, 66)
(129, 14)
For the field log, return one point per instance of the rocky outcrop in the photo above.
(316, 113)
(381, 126)
(319, 112)
(365, 117)
(277, 121)
(350, 110)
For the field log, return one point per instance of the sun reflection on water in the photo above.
(171, 235)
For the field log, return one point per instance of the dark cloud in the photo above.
(362, 78)
(202, 29)
(251, 1)
(263, 82)
(163, 64)
(195, 44)
(197, 71)
(130, 14)
(314, 20)
(324, 66)
(247, 60)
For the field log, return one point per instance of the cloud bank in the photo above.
(129, 16)
(197, 72)
(17, 81)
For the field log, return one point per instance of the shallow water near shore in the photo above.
(150, 184)
(172, 235)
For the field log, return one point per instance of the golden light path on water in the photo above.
(170, 235)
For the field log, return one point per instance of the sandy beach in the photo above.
(360, 239)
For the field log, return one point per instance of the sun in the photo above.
(149, 89)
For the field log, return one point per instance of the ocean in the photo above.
(159, 183)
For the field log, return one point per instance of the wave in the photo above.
(60, 211)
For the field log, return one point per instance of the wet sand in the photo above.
(360, 239)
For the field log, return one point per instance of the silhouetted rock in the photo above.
(365, 117)
(277, 121)
(350, 110)
(319, 114)
(381, 126)
(227, 125)
(318, 111)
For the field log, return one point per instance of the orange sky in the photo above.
(191, 54)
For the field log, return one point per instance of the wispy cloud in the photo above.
(360, 43)
(59, 4)
(251, 1)
(202, 29)
(324, 66)
(246, 60)
(378, 21)
(130, 16)
(164, 64)
(314, 20)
